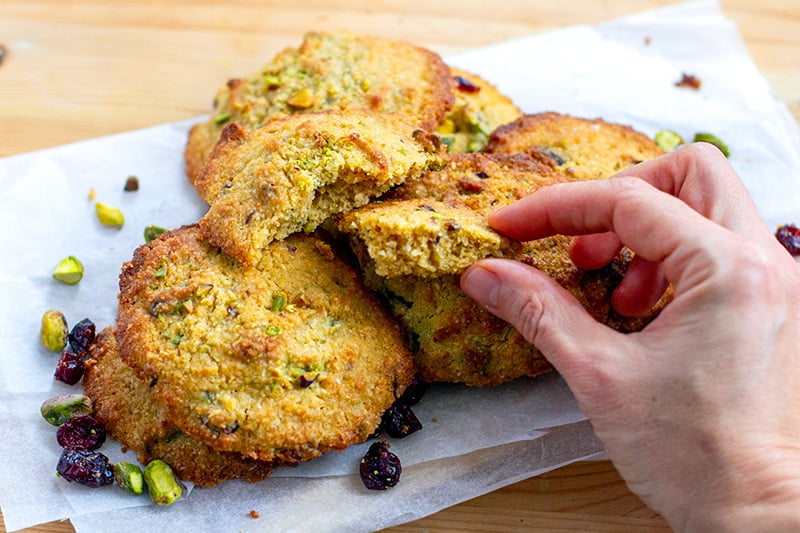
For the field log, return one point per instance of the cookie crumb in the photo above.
(132, 184)
(690, 81)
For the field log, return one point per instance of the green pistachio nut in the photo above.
(151, 232)
(713, 139)
(223, 118)
(129, 476)
(162, 485)
(109, 215)
(54, 330)
(69, 270)
(668, 140)
(61, 408)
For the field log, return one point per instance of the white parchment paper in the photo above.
(474, 440)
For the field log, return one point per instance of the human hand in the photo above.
(699, 411)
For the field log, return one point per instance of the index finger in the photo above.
(655, 225)
(701, 176)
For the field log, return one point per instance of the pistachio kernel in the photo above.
(69, 270)
(303, 99)
(109, 215)
(151, 232)
(54, 330)
(668, 140)
(713, 139)
(164, 489)
(223, 118)
(129, 476)
(61, 408)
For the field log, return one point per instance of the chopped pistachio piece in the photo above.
(109, 215)
(164, 489)
(69, 270)
(446, 126)
(129, 476)
(713, 139)
(303, 99)
(668, 140)
(54, 330)
(61, 408)
(151, 232)
(279, 302)
(271, 81)
(223, 118)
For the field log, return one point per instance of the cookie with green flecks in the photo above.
(279, 361)
(294, 172)
(330, 70)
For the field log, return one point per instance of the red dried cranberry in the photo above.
(466, 86)
(82, 336)
(400, 421)
(83, 432)
(69, 369)
(380, 469)
(789, 236)
(414, 392)
(85, 467)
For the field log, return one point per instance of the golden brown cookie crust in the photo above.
(581, 148)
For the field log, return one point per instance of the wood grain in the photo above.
(86, 68)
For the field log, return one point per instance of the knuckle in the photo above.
(530, 314)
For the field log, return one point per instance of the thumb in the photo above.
(545, 313)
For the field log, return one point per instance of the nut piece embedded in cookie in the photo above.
(422, 237)
(294, 172)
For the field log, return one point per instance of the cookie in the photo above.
(330, 70)
(281, 361)
(296, 171)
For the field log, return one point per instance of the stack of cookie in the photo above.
(348, 183)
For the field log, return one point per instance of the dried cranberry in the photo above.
(69, 368)
(380, 469)
(85, 467)
(464, 85)
(400, 421)
(82, 336)
(83, 432)
(414, 392)
(789, 236)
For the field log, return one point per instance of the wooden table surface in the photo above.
(85, 68)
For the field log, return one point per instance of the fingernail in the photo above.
(481, 284)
